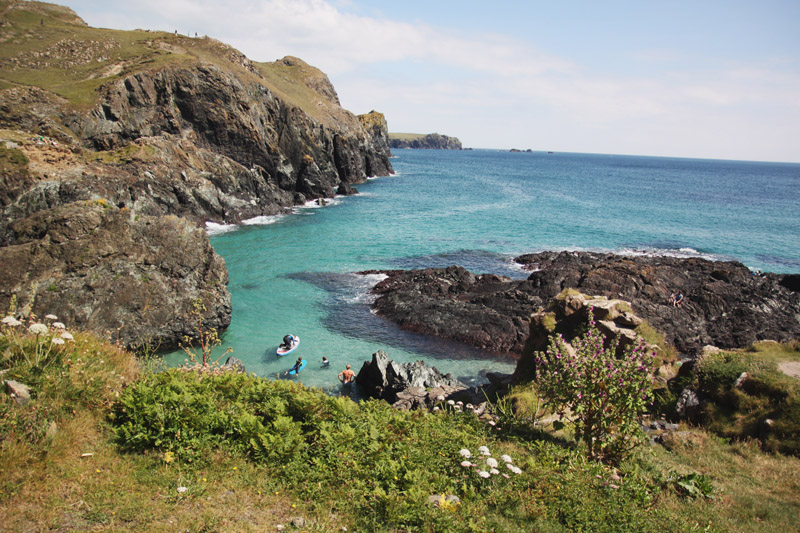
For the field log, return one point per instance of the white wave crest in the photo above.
(263, 220)
(213, 228)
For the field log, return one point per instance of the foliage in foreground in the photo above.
(606, 392)
(210, 453)
(379, 463)
(764, 405)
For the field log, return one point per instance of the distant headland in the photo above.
(429, 141)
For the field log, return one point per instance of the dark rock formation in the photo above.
(431, 141)
(726, 304)
(109, 271)
(485, 311)
(408, 385)
(199, 132)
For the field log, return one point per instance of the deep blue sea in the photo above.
(478, 209)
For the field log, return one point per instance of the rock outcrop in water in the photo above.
(169, 126)
(431, 141)
(726, 304)
(409, 385)
(486, 311)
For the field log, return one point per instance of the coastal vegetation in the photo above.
(106, 442)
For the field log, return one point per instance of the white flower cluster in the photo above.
(490, 467)
(40, 328)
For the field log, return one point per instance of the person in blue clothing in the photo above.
(296, 366)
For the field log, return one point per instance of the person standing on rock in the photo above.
(347, 376)
(679, 299)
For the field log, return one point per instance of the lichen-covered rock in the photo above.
(106, 270)
(726, 305)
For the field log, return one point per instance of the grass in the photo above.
(43, 45)
(406, 136)
(108, 445)
(741, 412)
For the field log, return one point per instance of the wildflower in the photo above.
(494, 471)
(516, 470)
(182, 489)
(11, 321)
(67, 336)
(466, 464)
(491, 462)
(484, 474)
(57, 340)
(492, 422)
(169, 456)
(38, 329)
(483, 450)
(505, 459)
(51, 317)
(465, 453)
(451, 402)
(59, 325)
(506, 475)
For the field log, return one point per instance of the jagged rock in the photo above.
(407, 385)
(20, 392)
(486, 311)
(346, 189)
(688, 404)
(726, 304)
(103, 272)
(219, 139)
(234, 365)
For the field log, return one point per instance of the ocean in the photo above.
(478, 209)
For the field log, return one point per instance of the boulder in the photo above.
(407, 385)
(688, 404)
(20, 392)
(233, 364)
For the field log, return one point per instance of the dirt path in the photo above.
(790, 369)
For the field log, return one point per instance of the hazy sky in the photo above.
(716, 79)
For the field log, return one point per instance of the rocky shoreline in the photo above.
(727, 305)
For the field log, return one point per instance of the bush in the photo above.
(605, 393)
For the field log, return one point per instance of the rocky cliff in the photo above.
(430, 141)
(153, 125)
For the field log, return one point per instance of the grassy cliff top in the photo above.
(51, 47)
(107, 444)
(406, 136)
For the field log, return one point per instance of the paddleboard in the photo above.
(295, 343)
(302, 366)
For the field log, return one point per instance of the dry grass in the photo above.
(755, 491)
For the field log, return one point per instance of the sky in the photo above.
(701, 78)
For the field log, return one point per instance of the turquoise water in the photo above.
(478, 209)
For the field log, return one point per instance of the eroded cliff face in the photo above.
(130, 277)
(214, 138)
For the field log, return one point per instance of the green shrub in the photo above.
(605, 393)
